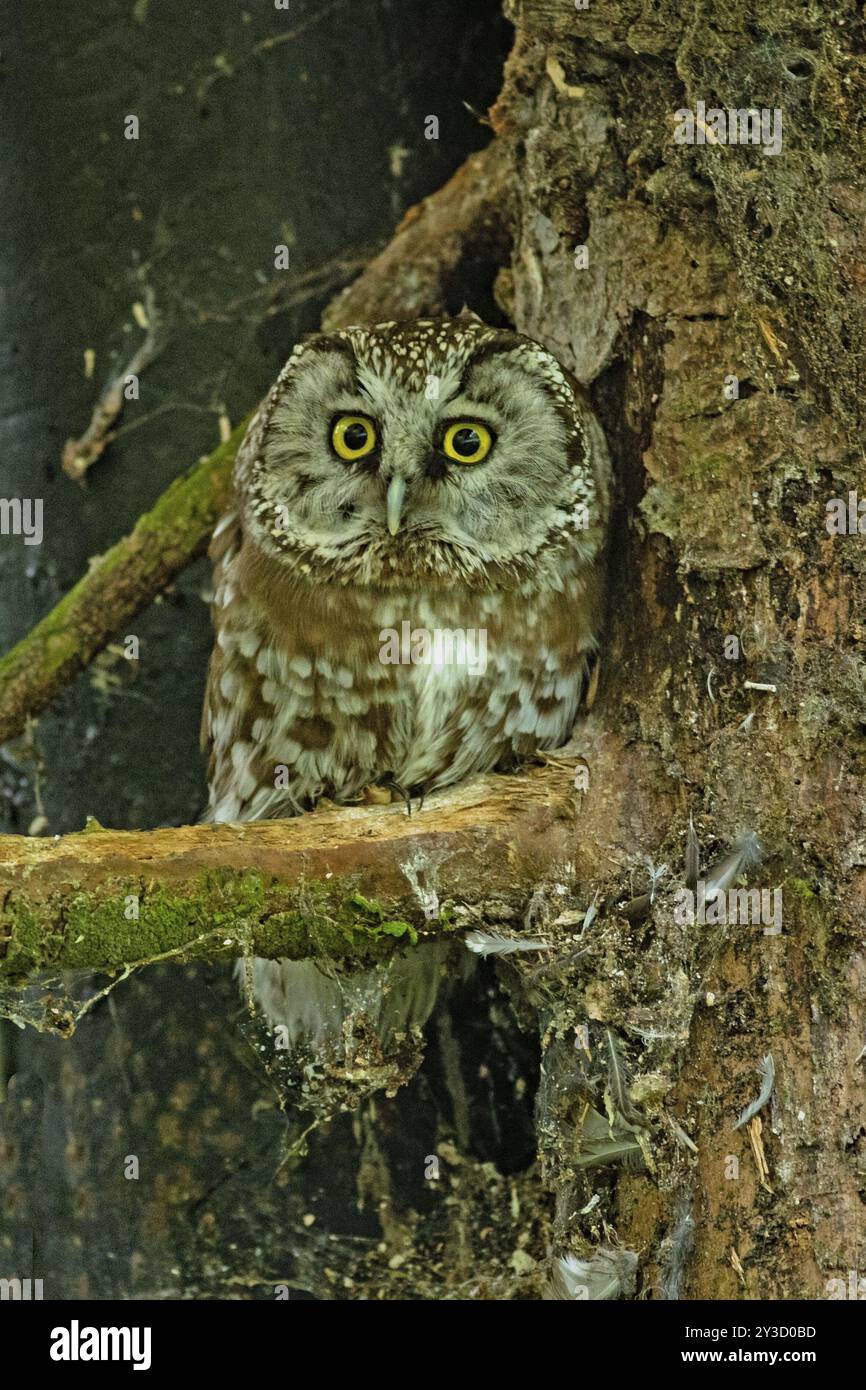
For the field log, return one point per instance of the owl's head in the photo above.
(439, 449)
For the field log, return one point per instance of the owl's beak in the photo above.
(394, 499)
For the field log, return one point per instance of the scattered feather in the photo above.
(618, 1085)
(656, 876)
(677, 1247)
(745, 852)
(767, 1073)
(680, 1135)
(601, 1144)
(607, 1275)
(693, 857)
(759, 1152)
(737, 1265)
(489, 943)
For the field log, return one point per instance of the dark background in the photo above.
(257, 126)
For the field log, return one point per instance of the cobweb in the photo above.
(58, 1003)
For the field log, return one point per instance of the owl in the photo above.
(407, 592)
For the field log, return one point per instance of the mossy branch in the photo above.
(338, 882)
(116, 586)
(412, 276)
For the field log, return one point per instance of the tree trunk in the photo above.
(720, 322)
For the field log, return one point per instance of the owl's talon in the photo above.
(401, 791)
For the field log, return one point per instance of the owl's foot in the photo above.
(383, 792)
(401, 791)
(388, 789)
(376, 795)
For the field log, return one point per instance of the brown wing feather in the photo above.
(224, 542)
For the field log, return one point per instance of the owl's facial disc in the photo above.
(428, 453)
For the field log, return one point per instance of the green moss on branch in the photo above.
(119, 583)
(222, 915)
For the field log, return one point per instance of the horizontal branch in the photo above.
(337, 882)
(411, 277)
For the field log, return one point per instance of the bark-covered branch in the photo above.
(339, 882)
(116, 586)
(410, 277)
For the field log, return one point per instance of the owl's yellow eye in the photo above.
(353, 436)
(467, 441)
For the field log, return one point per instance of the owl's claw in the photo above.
(401, 791)
(392, 786)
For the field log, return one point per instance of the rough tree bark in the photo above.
(703, 263)
(706, 262)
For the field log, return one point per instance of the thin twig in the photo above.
(80, 454)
